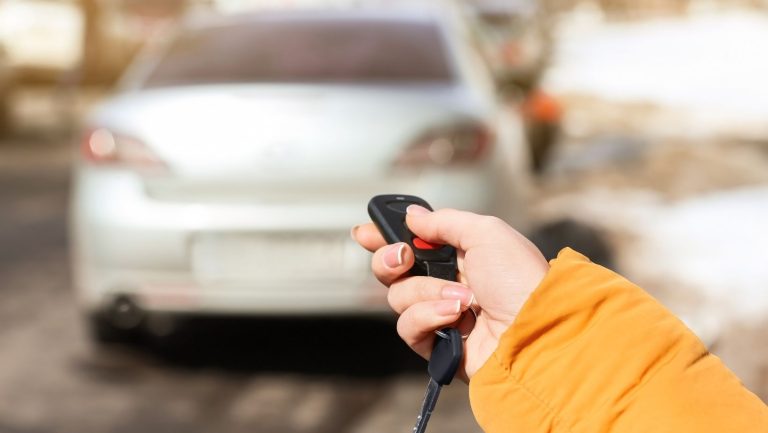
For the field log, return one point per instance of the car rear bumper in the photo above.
(185, 295)
(251, 257)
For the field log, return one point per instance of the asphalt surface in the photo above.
(217, 374)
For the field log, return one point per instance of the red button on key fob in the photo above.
(424, 245)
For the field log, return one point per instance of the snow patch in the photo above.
(711, 65)
(708, 251)
(716, 244)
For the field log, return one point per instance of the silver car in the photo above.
(225, 174)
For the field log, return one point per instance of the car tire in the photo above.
(103, 331)
(552, 237)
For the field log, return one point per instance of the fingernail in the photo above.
(353, 232)
(448, 308)
(415, 209)
(461, 293)
(394, 256)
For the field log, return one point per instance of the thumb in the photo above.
(461, 229)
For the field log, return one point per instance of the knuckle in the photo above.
(375, 260)
(392, 300)
(421, 287)
(493, 223)
(402, 330)
(408, 291)
(396, 293)
(444, 215)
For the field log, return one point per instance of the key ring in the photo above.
(473, 309)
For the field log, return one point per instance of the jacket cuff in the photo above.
(575, 355)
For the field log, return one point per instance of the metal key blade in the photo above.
(430, 400)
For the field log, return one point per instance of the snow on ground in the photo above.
(713, 242)
(713, 246)
(702, 256)
(712, 65)
(707, 254)
(692, 223)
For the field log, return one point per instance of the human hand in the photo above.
(498, 270)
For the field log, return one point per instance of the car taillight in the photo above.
(102, 146)
(448, 146)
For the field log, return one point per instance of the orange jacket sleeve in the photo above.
(591, 352)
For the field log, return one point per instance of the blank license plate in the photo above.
(271, 257)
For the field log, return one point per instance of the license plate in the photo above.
(279, 256)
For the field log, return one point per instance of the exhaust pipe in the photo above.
(124, 313)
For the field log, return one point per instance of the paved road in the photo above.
(216, 376)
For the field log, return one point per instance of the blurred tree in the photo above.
(93, 68)
(111, 35)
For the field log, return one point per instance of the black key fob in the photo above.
(388, 213)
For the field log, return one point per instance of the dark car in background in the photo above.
(516, 39)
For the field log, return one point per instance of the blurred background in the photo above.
(178, 179)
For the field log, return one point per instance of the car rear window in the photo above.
(344, 51)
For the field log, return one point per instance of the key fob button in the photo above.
(399, 206)
(388, 212)
(424, 245)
